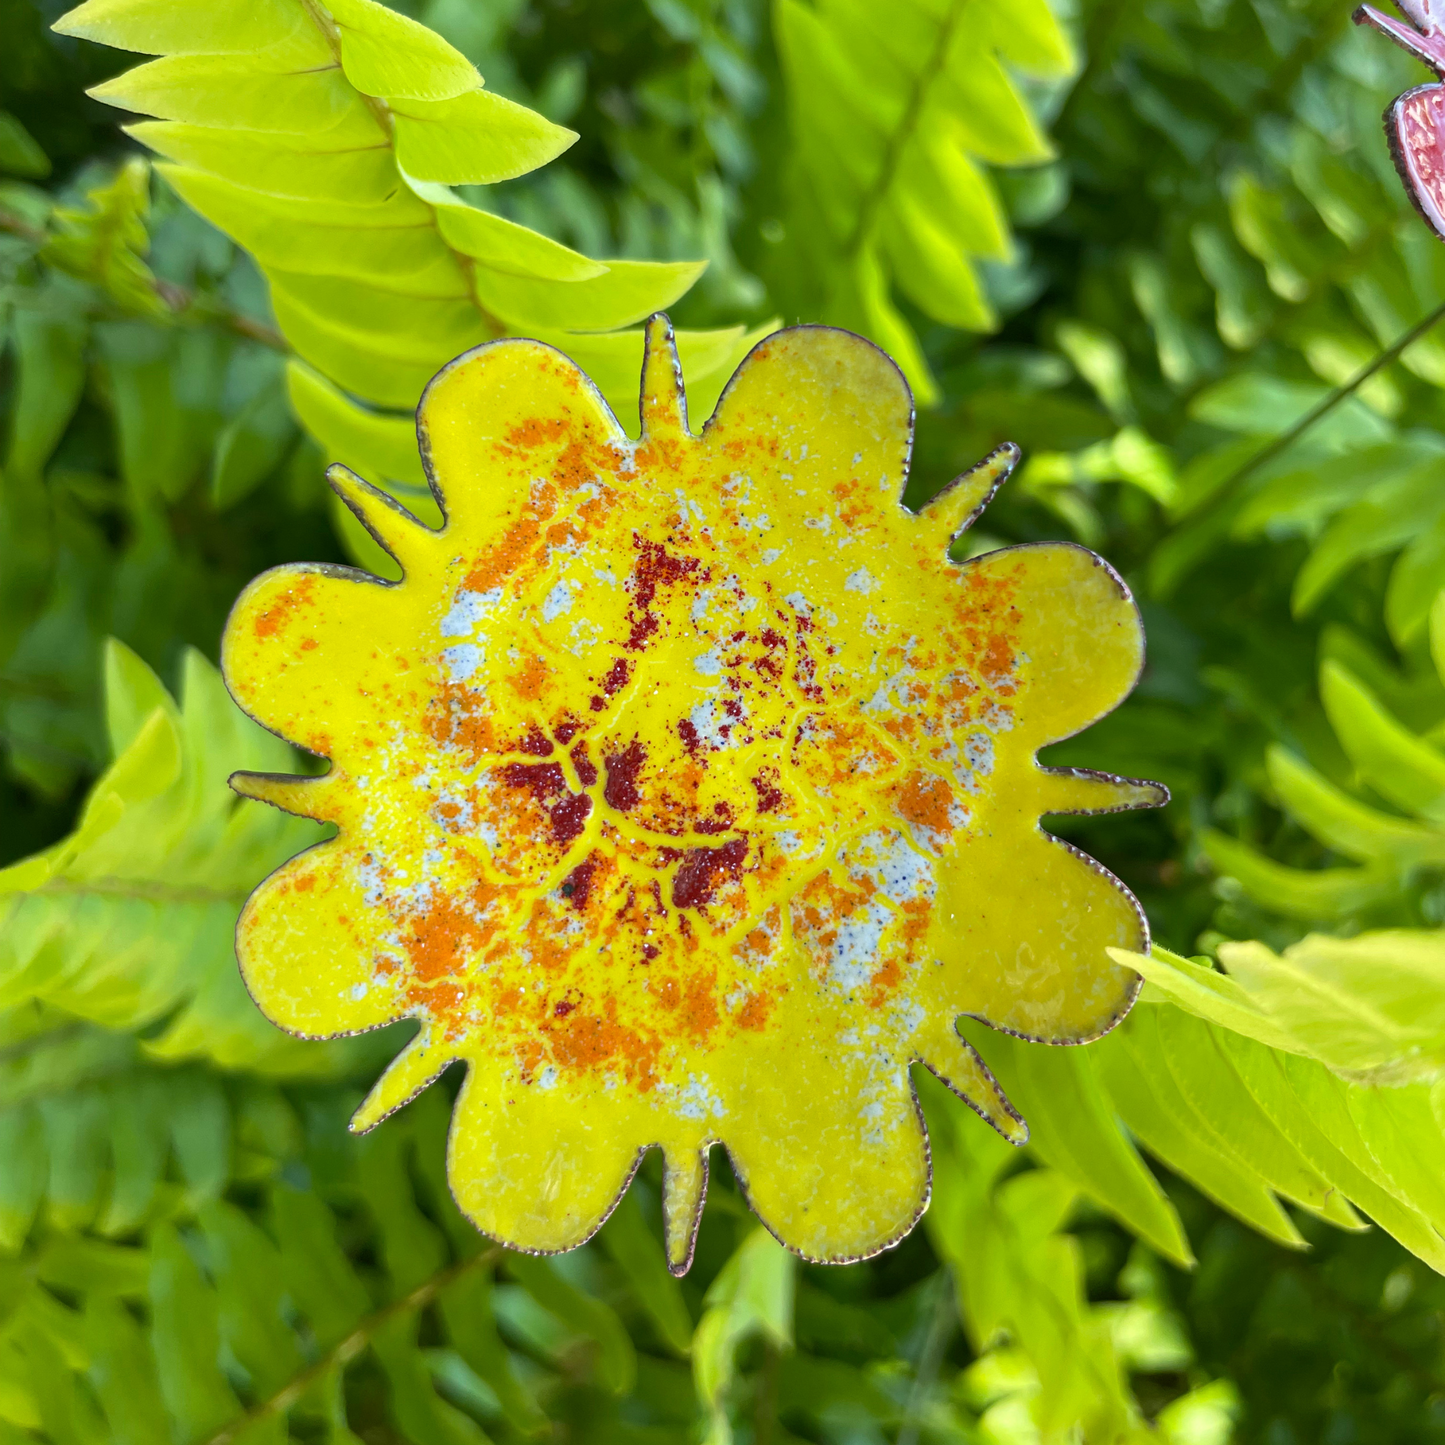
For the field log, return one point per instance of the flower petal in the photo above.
(837, 1172)
(1024, 927)
(306, 947)
(537, 1168)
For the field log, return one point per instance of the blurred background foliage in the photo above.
(1147, 242)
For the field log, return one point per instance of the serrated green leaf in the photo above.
(240, 91)
(1416, 580)
(22, 1181)
(201, 1137)
(751, 1295)
(1234, 1120)
(132, 693)
(319, 1278)
(1371, 1007)
(1402, 1131)
(66, 1412)
(393, 244)
(977, 92)
(295, 168)
(640, 1256)
(1388, 515)
(466, 1306)
(503, 245)
(1303, 499)
(123, 1373)
(1136, 1075)
(1207, 994)
(250, 1288)
(1318, 894)
(626, 293)
(357, 359)
(420, 1412)
(185, 1338)
(954, 194)
(140, 1145)
(932, 271)
(75, 1134)
(1356, 1170)
(87, 1266)
(374, 445)
(411, 1246)
(408, 328)
(616, 1357)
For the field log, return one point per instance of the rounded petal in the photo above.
(826, 408)
(1073, 645)
(833, 1159)
(536, 1168)
(499, 417)
(290, 657)
(1024, 922)
(306, 948)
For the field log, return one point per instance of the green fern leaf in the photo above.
(325, 144)
(129, 921)
(891, 113)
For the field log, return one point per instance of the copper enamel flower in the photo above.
(686, 791)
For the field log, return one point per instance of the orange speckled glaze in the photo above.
(686, 791)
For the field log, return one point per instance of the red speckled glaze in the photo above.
(1415, 121)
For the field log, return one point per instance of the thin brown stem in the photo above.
(345, 1351)
(18, 226)
(1287, 439)
(176, 299)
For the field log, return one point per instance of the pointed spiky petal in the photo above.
(409, 1073)
(958, 505)
(304, 797)
(664, 402)
(1080, 790)
(684, 1188)
(394, 528)
(956, 1062)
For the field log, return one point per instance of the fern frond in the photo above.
(1019, 1276)
(1406, 769)
(128, 922)
(895, 113)
(326, 144)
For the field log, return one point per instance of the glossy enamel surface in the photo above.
(686, 791)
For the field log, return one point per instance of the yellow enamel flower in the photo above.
(686, 791)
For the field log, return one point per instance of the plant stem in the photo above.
(1287, 439)
(347, 1350)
